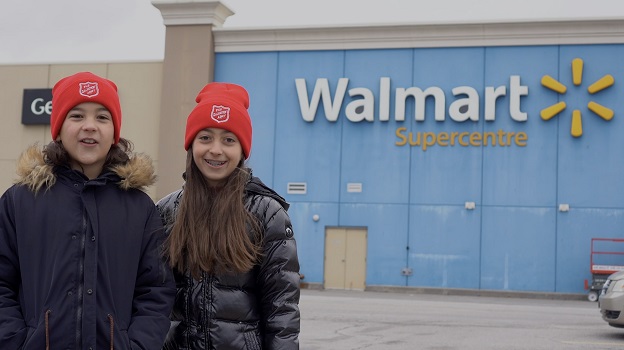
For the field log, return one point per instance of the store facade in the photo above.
(480, 157)
(484, 158)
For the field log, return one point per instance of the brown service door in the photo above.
(345, 258)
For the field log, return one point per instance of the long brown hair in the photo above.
(119, 153)
(213, 231)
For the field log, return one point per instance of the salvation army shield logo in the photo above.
(220, 114)
(89, 89)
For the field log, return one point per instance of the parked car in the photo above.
(611, 300)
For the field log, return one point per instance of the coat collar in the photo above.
(33, 172)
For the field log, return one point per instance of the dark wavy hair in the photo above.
(55, 154)
(213, 231)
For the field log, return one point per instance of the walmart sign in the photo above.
(465, 106)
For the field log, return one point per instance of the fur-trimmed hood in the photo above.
(32, 171)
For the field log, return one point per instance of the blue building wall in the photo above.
(412, 200)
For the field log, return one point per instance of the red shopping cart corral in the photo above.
(606, 257)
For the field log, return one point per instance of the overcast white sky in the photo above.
(74, 31)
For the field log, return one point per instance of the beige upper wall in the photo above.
(139, 87)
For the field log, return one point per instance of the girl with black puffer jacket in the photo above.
(230, 239)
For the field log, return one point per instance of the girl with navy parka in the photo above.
(230, 239)
(81, 263)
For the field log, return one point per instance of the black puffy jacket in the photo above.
(256, 310)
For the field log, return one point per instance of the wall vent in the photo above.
(297, 188)
(354, 187)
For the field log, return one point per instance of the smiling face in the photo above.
(216, 152)
(87, 135)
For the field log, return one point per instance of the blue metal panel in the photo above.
(310, 235)
(591, 166)
(522, 242)
(575, 229)
(257, 72)
(451, 174)
(369, 154)
(387, 242)
(307, 152)
(518, 246)
(444, 246)
(522, 176)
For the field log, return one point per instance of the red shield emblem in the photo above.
(220, 114)
(89, 89)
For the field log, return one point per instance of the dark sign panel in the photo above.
(36, 106)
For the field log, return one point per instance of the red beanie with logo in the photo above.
(223, 106)
(81, 87)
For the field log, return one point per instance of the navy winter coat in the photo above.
(81, 262)
(251, 311)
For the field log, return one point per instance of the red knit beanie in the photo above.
(81, 87)
(223, 106)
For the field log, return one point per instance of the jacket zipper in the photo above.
(207, 285)
(81, 281)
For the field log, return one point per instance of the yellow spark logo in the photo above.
(577, 77)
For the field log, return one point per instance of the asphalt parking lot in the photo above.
(402, 321)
